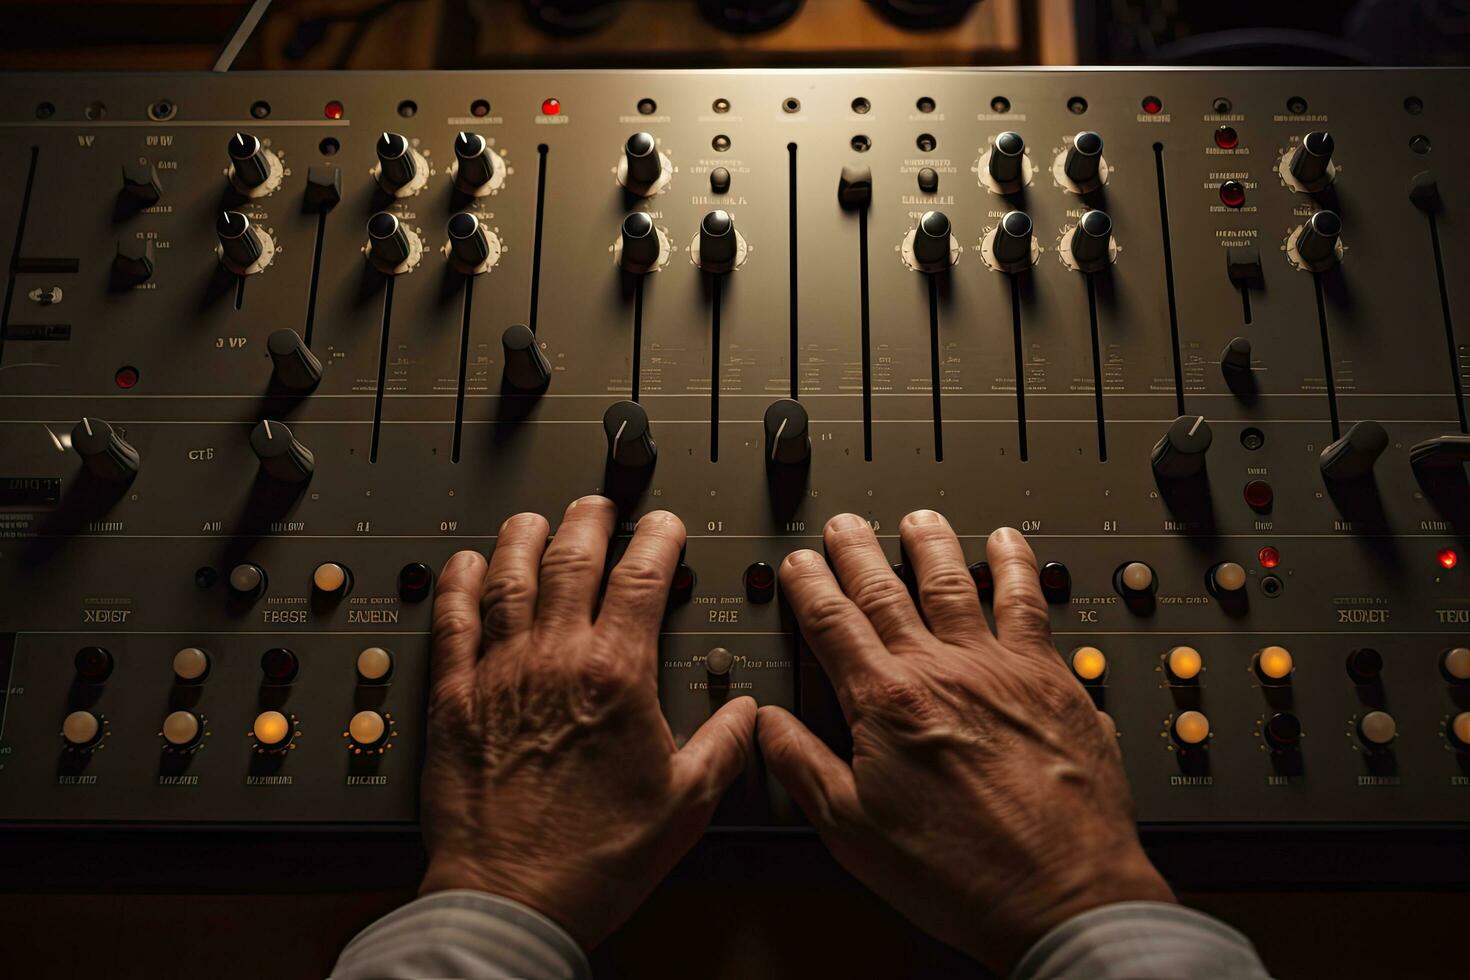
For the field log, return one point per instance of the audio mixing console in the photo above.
(275, 345)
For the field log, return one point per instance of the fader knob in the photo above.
(106, 454)
(1012, 246)
(296, 367)
(1352, 457)
(1092, 241)
(1007, 151)
(642, 165)
(640, 244)
(1235, 359)
(1083, 160)
(281, 456)
(526, 368)
(718, 245)
(240, 244)
(1311, 162)
(469, 246)
(1181, 453)
(140, 183)
(388, 244)
(478, 165)
(1317, 241)
(398, 164)
(787, 441)
(931, 241)
(630, 444)
(250, 163)
(132, 264)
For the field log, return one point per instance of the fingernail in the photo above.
(657, 518)
(920, 517)
(846, 522)
(803, 559)
(589, 499)
(1005, 533)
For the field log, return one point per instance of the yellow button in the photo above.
(1137, 577)
(81, 728)
(1191, 728)
(1089, 663)
(1274, 663)
(181, 728)
(1184, 663)
(1229, 577)
(191, 664)
(374, 664)
(1460, 728)
(329, 577)
(367, 728)
(1457, 663)
(1378, 728)
(271, 729)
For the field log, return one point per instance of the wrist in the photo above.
(517, 884)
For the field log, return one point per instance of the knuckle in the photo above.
(898, 698)
(877, 589)
(570, 563)
(946, 588)
(505, 602)
(826, 615)
(1029, 616)
(639, 576)
(601, 677)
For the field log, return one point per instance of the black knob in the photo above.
(1283, 731)
(296, 367)
(1311, 162)
(1012, 246)
(1092, 241)
(133, 262)
(1352, 457)
(469, 245)
(1083, 160)
(718, 244)
(1365, 665)
(477, 163)
(250, 163)
(93, 664)
(397, 165)
(1235, 359)
(630, 444)
(855, 188)
(106, 454)
(323, 189)
(140, 183)
(281, 456)
(787, 441)
(1317, 243)
(640, 245)
(643, 167)
(239, 242)
(1181, 453)
(1441, 455)
(388, 245)
(719, 180)
(1056, 582)
(931, 241)
(1007, 152)
(526, 368)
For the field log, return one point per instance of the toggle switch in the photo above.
(323, 189)
(1311, 161)
(640, 246)
(855, 188)
(294, 366)
(630, 442)
(281, 456)
(787, 442)
(105, 454)
(1235, 360)
(132, 264)
(1352, 456)
(1181, 453)
(478, 169)
(140, 184)
(526, 367)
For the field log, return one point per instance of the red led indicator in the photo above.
(1232, 194)
(333, 110)
(551, 107)
(1152, 104)
(1448, 557)
(1258, 495)
(1269, 557)
(1226, 138)
(126, 377)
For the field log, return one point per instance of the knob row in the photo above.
(183, 730)
(192, 665)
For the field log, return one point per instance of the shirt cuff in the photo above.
(466, 934)
(1142, 941)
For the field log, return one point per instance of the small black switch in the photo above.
(1243, 262)
(855, 189)
(1056, 582)
(133, 263)
(323, 189)
(140, 182)
(414, 581)
(719, 180)
(928, 180)
(1424, 191)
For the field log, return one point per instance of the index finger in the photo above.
(842, 638)
(638, 589)
(1022, 617)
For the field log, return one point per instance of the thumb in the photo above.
(822, 784)
(717, 753)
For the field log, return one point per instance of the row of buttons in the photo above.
(182, 731)
(1273, 665)
(191, 665)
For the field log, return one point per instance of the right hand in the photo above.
(986, 798)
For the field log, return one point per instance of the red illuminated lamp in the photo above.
(126, 377)
(333, 110)
(1269, 557)
(1152, 105)
(1226, 138)
(1448, 557)
(551, 107)
(1232, 194)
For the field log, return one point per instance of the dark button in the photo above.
(760, 582)
(140, 182)
(1283, 730)
(1365, 665)
(414, 581)
(984, 582)
(279, 665)
(94, 665)
(1424, 191)
(1259, 495)
(719, 180)
(247, 581)
(323, 189)
(1243, 263)
(1056, 582)
(855, 188)
(682, 587)
(928, 180)
(133, 263)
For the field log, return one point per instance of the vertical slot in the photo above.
(1097, 373)
(382, 370)
(934, 367)
(1245, 304)
(637, 373)
(239, 292)
(1327, 357)
(714, 369)
(316, 274)
(20, 235)
(1019, 344)
(1168, 285)
(791, 248)
(866, 337)
(541, 152)
(464, 357)
(1449, 325)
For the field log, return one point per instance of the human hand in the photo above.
(986, 798)
(551, 777)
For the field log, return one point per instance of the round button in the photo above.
(1184, 663)
(1228, 577)
(1456, 664)
(719, 661)
(272, 730)
(1377, 728)
(181, 729)
(1459, 729)
(1136, 577)
(191, 664)
(94, 665)
(1283, 730)
(1056, 582)
(760, 582)
(1259, 495)
(414, 581)
(1191, 728)
(81, 729)
(367, 729)
(279, 665)
(247, 580)
(681, 589)
(374, 664)
(331, 579)
(1364, 665)
(1089, 663)
(984, 581)
(1274, 664)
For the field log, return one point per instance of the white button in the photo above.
(81, 728)
(367, 728)
(181, 729)
(191, 664)
(374, 664)
(1378, 728)
(1137, 577)
(330, 578)
(271, 729)
(1229, 577)
(1457, 663)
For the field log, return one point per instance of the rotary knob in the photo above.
(104, 453)
(640, 245)
(1352, 457)
(477, 165)
(787, 441)
(718, 244)
(1007, 153)
(1092, 241)
(399, 164)
(1316, 241)
(1082, 163)
(390, 244)
(469, 243)
(295, 367)
(280, 455)
(251, 164)
(526, 368)
(932, 242)
(1311, 162)
(241, 245)
(643, 167)
(1012, 243)
(630, 443)
(1181, 453)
